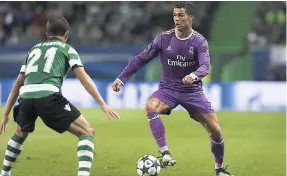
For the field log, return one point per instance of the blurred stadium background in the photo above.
(249, 46)
(248, 56)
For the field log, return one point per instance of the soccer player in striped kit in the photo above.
(39, 87)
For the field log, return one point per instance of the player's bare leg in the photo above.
(13, 150)
(210, 122)
(83, 130)
(155, 107)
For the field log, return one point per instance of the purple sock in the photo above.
(217, 148)
(157, 129)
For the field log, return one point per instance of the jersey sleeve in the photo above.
(150, 52)
(203, 60)
(23, 67)
(74, 58)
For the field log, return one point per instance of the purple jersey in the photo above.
(179, 57)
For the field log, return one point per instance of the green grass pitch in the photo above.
(254, 142)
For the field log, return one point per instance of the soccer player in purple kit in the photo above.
(185, 61)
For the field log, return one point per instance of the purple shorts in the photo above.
(193, 102)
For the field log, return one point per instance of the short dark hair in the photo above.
(57, 26)
(188, 6)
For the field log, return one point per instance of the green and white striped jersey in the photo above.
(46, 66)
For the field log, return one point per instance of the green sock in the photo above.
(85, 154)
(13, 150)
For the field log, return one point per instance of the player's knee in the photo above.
(89, 132)
(151, 107)
(216, 133)
(21, 134)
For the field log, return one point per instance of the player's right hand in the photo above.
(111, 114)
(116, 85)
(3, 123)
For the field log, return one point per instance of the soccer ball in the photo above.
(148, 165)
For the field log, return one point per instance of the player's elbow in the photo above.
(206, 68)
(82, 75)
(79, 72)
(207, 71)
(18, 83)
(20, 79)
(140, 61)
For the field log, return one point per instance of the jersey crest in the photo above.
(191, 50)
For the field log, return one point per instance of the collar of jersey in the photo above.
(185, 37)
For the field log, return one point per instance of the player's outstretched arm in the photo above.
(11, 101)
(144, 57)
(90, 86)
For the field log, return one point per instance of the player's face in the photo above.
(181, 19)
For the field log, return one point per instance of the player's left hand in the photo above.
(189, 79)
(3, 123)
(111, 114)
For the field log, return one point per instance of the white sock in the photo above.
(4, 173)
(218, 166)
(164, 148)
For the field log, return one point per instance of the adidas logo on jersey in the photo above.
(67, 107)
(169, 48)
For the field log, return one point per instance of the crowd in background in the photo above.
(269, 24)
(129, 23)
(269, 28)
(95, 23)
(125, 23)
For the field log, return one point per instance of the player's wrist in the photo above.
(102, 103)
(194, 77)
(6, 115)
(118, 79)
(6, 112)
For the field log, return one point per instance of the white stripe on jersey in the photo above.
(72, 51)
(23, 69)
(73, 62)
(38, 87)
